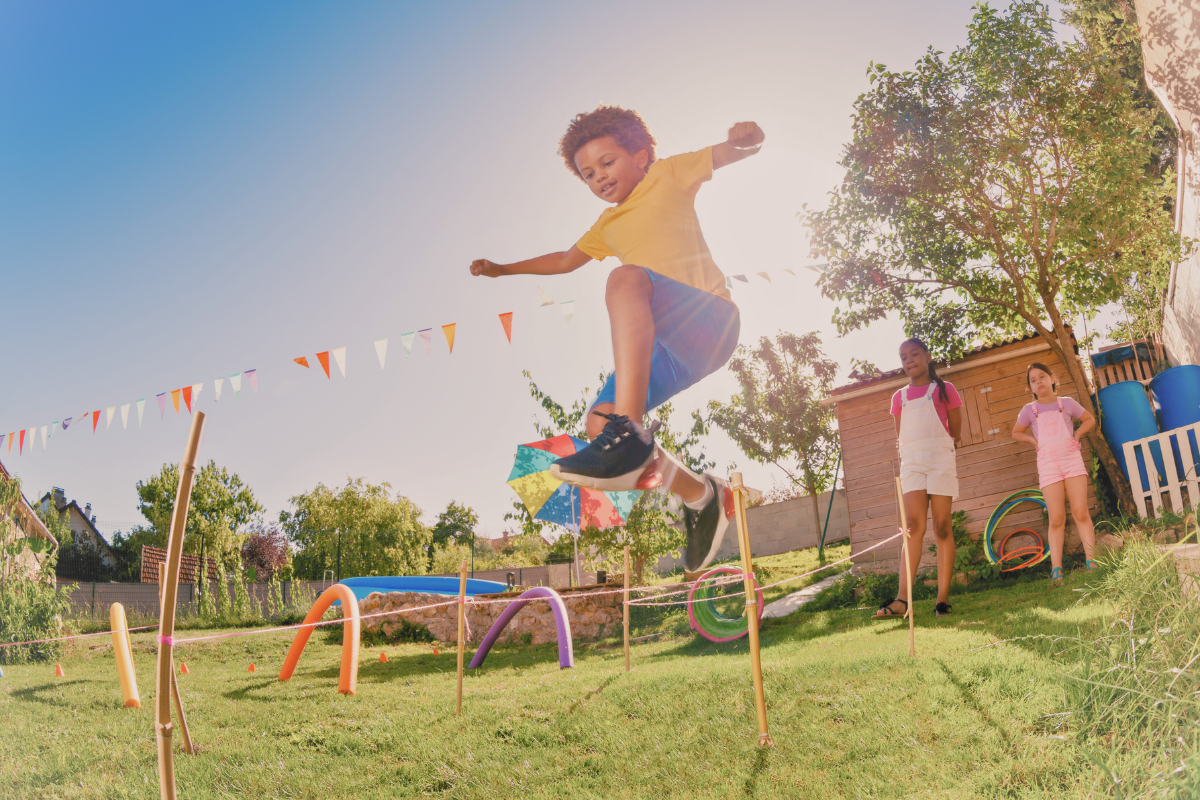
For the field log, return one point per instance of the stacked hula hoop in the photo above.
(1020, 557)
(703, 615)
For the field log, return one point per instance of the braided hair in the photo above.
(932, 368)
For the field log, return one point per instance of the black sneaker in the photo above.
(614, 460)
(942, 609)
(706, 528)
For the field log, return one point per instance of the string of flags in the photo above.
(189, 395)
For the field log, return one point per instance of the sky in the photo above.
(189, 191)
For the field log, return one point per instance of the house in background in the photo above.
(81, 521)
(27, 523)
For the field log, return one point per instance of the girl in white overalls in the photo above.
(928, 419)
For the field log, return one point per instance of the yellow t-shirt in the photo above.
(656, 226)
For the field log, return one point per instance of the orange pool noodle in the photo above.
(252, 668)
(58, 671)
(183, 668)
(124, 655)
(383, 658)
(348, 674)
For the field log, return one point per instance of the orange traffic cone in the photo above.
(58, 671)
(252, 668)
(435, 652)
(183, 668)
(383, 658)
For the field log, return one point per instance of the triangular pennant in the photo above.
(53, 425)
(67, 423)
(506, 322)
(217, 384)
(728, 282)
(187, 398)
(95, 420)
(448, 332)
(425, 340)
(302, 361)
(742, 278)
(175, 399)
(764, 276)
(44, 436)
(381, 350)
(339, 357)
(162, 404)
(235, 381)
(547, 300)
(568, 309)
(790, 272)
(323, 357)
(21, 446)
(2, 438)
(141, 404)
(252, 374)
(406, 339)
(10, 441)
(196, 387)
(108, 415)
(125, 416)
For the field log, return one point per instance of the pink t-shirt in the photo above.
(1071, 410)
(942, 408)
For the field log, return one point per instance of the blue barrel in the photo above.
(1177, 394)
(1126, 415)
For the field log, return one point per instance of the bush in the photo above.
(30, 609)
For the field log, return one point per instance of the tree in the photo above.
(454, 526)
(364, 526)
(777, 418)
(221, 505)
(1003, 189)
(266, 552)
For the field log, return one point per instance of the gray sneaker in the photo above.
(706, 528)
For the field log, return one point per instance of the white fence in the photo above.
(1171, 483)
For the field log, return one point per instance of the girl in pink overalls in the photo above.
(1049, 424)
(928, 416)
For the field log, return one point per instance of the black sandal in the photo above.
(886, 608)
(942, 609)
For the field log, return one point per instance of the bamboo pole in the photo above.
(462, 616)
(908, 574)
(163, 728)
(183, 726)
(743, 530)
(625, 608)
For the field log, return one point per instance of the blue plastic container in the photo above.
(1177, 395)
(1126, 415)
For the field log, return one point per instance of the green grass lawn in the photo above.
(852, 715)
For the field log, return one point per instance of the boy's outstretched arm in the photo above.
(745, 139)
(549, 264)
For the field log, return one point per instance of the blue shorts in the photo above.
(695, 333)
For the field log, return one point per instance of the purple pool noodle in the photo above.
(566, 651)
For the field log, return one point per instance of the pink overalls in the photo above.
(1058, 454)
(927, 455)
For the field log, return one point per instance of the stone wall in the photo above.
(591, 615)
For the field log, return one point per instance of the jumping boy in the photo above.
(673, 321)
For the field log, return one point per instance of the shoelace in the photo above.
(618, 425)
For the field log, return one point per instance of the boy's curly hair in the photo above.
(624, 125)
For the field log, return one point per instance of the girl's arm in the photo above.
(1086, 423)
(549, 264)
(745, 139)
(954, 417)
(1021, 434)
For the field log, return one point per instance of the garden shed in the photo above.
(991, 466)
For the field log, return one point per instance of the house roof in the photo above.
(33, 523)
(87, 520)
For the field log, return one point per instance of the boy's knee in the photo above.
(626, 277)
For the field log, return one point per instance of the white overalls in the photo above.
(927, 455)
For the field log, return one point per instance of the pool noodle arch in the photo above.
(566, 650)
(348, 674)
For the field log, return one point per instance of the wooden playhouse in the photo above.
(991, 466)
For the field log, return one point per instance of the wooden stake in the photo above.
(743, 530)
(625, 608)
(462, 618)
(163, 728)
(908, 577)
(183, 726)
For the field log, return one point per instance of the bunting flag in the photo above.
(742, 278)
(764, 276)
(108, 415)
(339, 355)
(95, 420)
(44, 436)
(141, 404)
(66, 423)
(196, 387)
(21, 447)
(125, 416)
(175, 399)
(252, 374)
(406, 339)
(425, 334)
(187, 398)
(448, 332)
(302, 361)
(217, 384)
(568, 309)
(10, 438)
(323, 357)
(791, 272)
(381, 350)
(547, 300)
(53, 425)
(728, 282)
(162, 404)
(235, 382)
(506, 323)
(2, 437)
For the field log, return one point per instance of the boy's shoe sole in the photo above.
(621, 483)
(706, 528)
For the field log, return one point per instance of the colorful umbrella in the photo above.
(550, 500)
